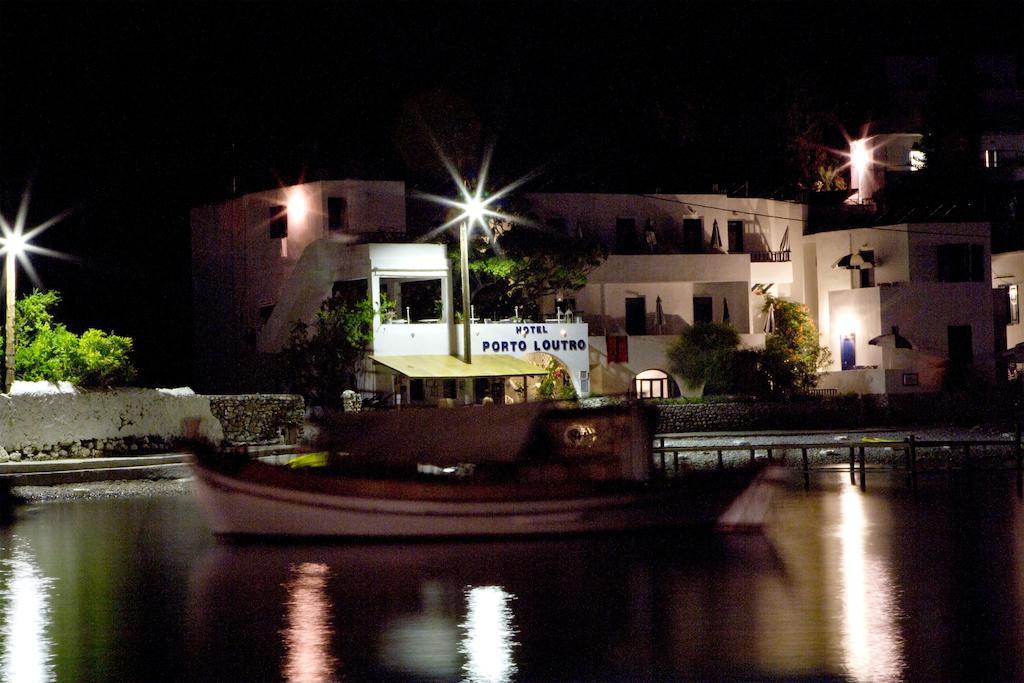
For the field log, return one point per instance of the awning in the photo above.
(450, 367)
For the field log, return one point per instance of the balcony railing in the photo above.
(769, 256)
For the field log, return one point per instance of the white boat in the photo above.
(467, 472)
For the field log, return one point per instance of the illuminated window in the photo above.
(278, 222)
(652, 384)
(336, 213)
(991, 158)
(1014, 305)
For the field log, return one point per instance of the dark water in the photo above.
(868, 586)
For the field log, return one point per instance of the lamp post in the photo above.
(467, 310)
(15, 241)
(12, 246)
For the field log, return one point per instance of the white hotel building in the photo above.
(264, 260)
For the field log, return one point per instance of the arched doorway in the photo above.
(654, 384)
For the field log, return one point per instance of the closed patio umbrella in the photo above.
(769, 320)
(716, 237)
(659, 314)
(725, 310)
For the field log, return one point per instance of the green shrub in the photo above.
(46, 350)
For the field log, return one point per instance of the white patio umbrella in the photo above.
(893, 340)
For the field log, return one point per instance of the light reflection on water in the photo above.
(25, 605)
(845, 584)
(488, 635)
(872, 643)
(308, 633)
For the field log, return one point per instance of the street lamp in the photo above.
(13, 246)
(15, 243)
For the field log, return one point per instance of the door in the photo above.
(735, 237)
(848, 352)
(702, 309)
(961, 344)
(693, 235)
(636, 315)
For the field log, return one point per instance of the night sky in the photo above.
(130, 114)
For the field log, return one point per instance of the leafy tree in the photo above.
(704, 354)
(323, 361)
(792, 356)
(46, 350)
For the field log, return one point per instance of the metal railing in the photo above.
(913, 455)
(770, 256)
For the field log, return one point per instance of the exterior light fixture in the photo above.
(15, 245)
(297, 206)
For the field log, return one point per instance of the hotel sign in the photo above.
(540, 338)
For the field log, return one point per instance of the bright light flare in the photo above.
(860, 154)
(298, 207)
(16, 238)
(476, 207)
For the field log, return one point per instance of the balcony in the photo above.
(770, 256)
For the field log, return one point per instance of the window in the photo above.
(264, 312)
(1011, 290)
(702, 309)
(278, 217)
(336, 213)
(693, 235)
(961, 263)
(735, 229)
(653, 384)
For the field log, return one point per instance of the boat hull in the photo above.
(261, 500)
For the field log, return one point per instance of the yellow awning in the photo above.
(423, 367)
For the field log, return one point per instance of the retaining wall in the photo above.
(844, 412)
(80, 424)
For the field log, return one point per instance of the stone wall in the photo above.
(71, 423)
(258, 418)
(844, 412)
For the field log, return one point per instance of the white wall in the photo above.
(764, 220)
(36, 419)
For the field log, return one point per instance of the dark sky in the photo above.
(129, 114)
